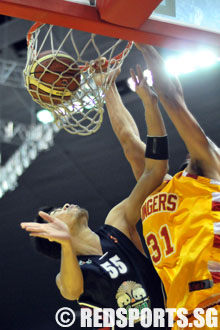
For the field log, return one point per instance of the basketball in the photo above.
(54, 76)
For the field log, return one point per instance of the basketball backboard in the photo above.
(172, 23)
(200, 14)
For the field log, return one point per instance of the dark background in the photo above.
(90, 171)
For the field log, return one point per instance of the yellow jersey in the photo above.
(181, 227)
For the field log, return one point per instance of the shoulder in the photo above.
(117, 211)
(117, 218)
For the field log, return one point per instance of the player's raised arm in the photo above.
(204, 154)
(156, 154)
(125, 129)
(156, 158)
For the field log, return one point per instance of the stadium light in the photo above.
(189, 62)
(45, 116)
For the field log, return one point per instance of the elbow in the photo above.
(134, 151)
(136, 161)
(71, 294)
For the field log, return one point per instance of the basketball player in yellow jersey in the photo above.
(181, 218)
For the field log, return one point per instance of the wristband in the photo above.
(157, 147)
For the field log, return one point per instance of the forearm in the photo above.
(126, 131)
(156, 161)
(121, 120)
(153, 117)
(70, 279)
(154, 121)
(156, 164)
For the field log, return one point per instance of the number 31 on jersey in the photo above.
(155, 248)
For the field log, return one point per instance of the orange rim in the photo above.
(116, 58)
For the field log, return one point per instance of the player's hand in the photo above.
(55, 230)
(101, 76)
(112, 76)
(141, 47)
(144, 91)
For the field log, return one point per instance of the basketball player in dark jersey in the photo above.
(108, 268)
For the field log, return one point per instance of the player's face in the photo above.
(71, 214)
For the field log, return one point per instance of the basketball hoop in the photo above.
(61, 74)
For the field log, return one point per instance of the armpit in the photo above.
(195, 167)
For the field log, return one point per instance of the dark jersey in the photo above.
(121, 277)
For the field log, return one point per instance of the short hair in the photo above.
(44, 246)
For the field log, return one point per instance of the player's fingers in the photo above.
(34, 229)
(45, 236)
(152, 88)
(138, 45)
(46, 216)
(133, 76)
(99, 64)
(139, 72)
(41, 235)
(24, 225)
(101, 61)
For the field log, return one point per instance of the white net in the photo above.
(68, 71)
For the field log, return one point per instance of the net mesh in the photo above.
(68, 71)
